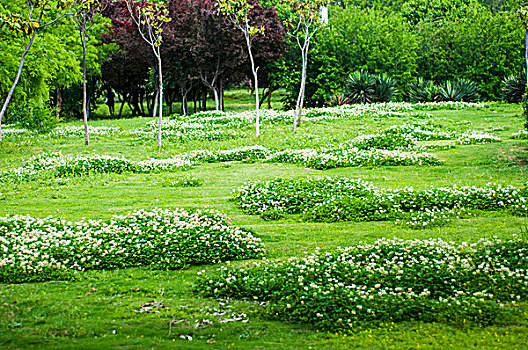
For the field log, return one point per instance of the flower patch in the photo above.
(387, 281)
(342, 199)
(34, 249)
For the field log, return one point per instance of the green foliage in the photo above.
(355, 39)
(416, 11)
(479, 45)
(513, 88)
(386, 88)
(32, 116)
(423, 91)
(387, 281)
(461, 90)
(361, 87)
(50, 248)
(54, 60)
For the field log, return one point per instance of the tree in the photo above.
(85, 11)
(150, 18)
(474, 44)
(522, 13)
(126, 67)
(306, 22)
(238, 12)
(29, 25)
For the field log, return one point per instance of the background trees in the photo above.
(203, 53)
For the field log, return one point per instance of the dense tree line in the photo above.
(203, 53)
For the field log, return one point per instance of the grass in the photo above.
(234, 100)
(100, 310)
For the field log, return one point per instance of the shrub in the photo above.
(513, 88)
(423, 91)
(386, 90)
(339, 100)
(367, 88)
(33, 116)
(461, 90)
(361, 87)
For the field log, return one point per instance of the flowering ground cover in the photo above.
(33, 249)
(345, 155)
(342, 199)
(386, 281)
(58, 165)
(141, 302)
(212, 125)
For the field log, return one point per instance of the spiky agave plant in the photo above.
(468, 90)
(361, 87)
(449, 91)
(423, 91)
(462, 90)
(513, 87)
(385, 90)
(339, 100)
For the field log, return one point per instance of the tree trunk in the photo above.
(525, 57)
(216, 98)
(156, 100)
(123, 101)
(160, 122)
(19, 73)
(212, 85)
(300, 99)
(59, 103)
(256, 87)
(221, 93)
(185, 102)
(269, 96)
(85, 106)
(204, 100)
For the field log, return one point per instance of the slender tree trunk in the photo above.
(217, 98)
(84, 102)
(19, 73)
(160, 121)
(184, 104)
(525, 56)
(59, 103)
(221, 93)
(156, 99)
(269, 96)
(256, 87)
(204, 100)
(212, 85)
(123, 101)
(300, 99)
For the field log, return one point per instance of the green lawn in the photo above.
(99, 311)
